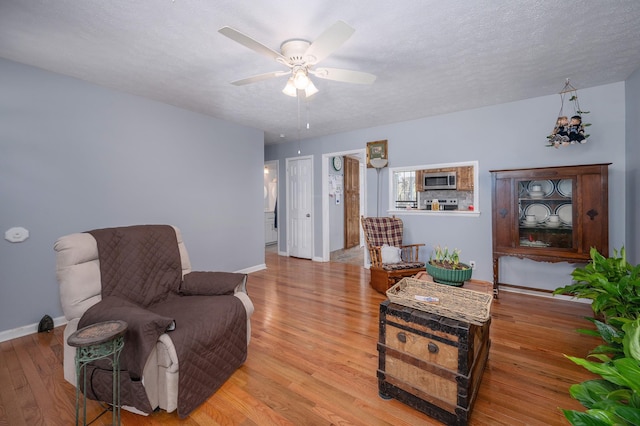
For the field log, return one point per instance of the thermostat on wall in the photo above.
(16, 235)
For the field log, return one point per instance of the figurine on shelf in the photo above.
(576, 130)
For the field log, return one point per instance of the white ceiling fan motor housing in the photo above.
(294, 51)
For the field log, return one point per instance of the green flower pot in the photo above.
(454, 277)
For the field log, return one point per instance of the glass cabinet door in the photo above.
(545, 213)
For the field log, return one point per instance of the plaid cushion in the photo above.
(383, 230)
(398, 266)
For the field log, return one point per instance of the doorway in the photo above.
(351, 202)
(329, 223)
(271, 204)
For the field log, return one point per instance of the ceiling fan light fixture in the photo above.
(310, 90)
(290, 88)
(300, 79)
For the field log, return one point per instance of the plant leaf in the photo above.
(592, 392)
(606, 370)
(608, 332)
(627, 373)
(590, 418)
(631, 339)
(630, 414)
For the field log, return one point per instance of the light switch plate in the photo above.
(16, 235)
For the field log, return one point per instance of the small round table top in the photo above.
(95, 334)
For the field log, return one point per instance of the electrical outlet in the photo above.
(472, 263)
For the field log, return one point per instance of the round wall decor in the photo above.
(337, 163)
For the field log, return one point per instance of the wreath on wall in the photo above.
(569, 131)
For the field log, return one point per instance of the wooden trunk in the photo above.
(431, 363)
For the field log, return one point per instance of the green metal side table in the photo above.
(93, 342)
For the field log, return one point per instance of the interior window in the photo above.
(442, 188)
(404, 184)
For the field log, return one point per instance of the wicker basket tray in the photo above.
(453, 302)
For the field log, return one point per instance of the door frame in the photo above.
(326, 159)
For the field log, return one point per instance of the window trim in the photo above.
(391, 209)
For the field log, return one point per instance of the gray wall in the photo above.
(510, 135)
(632, 91)
(75, 156)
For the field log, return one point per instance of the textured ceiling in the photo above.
(430, 56)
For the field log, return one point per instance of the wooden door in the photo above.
(592, 219)
(503, 214)
(351, 202)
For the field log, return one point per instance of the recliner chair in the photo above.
(79, 276)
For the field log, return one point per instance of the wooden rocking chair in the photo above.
(379, 231)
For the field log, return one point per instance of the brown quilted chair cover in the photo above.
(139, 263)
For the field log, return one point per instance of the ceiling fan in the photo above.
(301, 57)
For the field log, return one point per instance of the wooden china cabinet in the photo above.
(551, 214)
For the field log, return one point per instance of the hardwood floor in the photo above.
(313, 359)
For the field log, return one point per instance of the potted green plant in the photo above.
(445, 267)
(615, 398)
(613, 285)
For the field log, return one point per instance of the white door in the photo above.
(300, 207)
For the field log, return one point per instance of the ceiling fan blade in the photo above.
(328, 41)
(346, 76)
(260, 77)
(250, 43)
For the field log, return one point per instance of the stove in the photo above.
(444, 203)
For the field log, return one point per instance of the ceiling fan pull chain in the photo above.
(298, 103)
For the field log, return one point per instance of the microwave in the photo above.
(439, 180)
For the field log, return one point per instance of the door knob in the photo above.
(308, 214)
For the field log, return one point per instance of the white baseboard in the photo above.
(543, 294)
(25, 330)
(251, 269)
